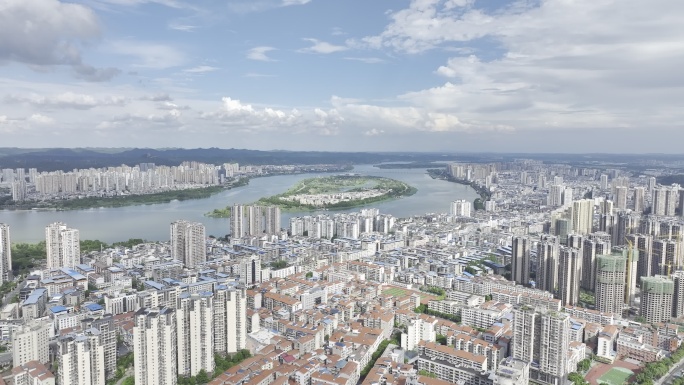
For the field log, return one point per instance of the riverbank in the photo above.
(151, 222)
(127, 200)
(147, 199)
(401, 166)
(220, 213)
(29, 256)
(324, 193)
(121, 200)
(482, 191)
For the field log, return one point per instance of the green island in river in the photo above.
(332, 193)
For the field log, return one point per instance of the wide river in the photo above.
(152, 222)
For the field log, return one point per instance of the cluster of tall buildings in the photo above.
(348, 225)
(88, 357)
(315, 302)
(176, 334)
(662, 297)
(168, 342)
(559, 196)
(541, 337)
(63, 249)
(461, 208)
(664, 200)
(472, 172)
(582, 262)
(254, 220)
(182, 340)
(145, 178)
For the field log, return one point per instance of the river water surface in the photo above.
(151, 222)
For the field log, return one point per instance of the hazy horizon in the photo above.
(453, 152)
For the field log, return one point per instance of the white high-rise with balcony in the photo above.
(230, 319)
(250, 270)
(418, 330)
(195, 333)
(30, 343)
(5, 254)
(154, 347)
(62, 246)
(582, 216)
(188, 243)
(81, 359)
(461, 208)
(569, 273)
(542, 339)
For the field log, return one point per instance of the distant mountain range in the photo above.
(52, 159)
(67, 159)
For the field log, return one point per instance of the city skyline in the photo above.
(424, 75)
(386, 192)
(533, 287)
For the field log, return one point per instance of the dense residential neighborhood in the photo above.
(565, 275)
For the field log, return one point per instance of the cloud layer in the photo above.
(549, 73)
(44, 33)
(524, 74)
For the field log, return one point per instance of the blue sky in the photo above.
(364, 75)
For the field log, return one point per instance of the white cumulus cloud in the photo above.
(40, 119)
(43, 33)
(405, 119)
(245, 117)
(295, 2)
(622, 69)
(322, 47)
(201, 69)
(260, 53)
(367, 60)
(374, 132)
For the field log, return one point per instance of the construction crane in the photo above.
(666, 264)
(676, 258)
(634, 253)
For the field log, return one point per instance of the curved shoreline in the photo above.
(483, 192)
(162, 197)
(151, 222)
